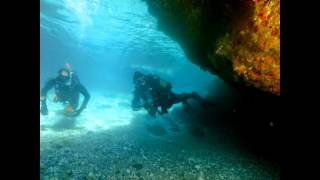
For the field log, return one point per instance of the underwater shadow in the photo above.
(243, 118)
(156, 130)
(175, 121)
(65, 123)
(153, 126)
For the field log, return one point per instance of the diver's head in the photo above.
(137, 75)
(64, 74)
(67, 66)
(138, 78)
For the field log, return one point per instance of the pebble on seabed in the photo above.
(121, 159)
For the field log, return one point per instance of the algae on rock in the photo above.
(239, 40)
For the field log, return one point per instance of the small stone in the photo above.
(191, 160)
(144, 157)
(128, 171)
(161, 169)
(69, 173)
(137, 166)
(197, 167)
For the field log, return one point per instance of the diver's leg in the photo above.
(181, 98)
(166, 102)
(185, 96)
(204, 102)
(74, 102)
(178, 98)
(196, 96)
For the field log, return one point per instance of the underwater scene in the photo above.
(157, 89)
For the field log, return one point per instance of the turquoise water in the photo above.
(105, 41)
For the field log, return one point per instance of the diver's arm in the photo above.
(86, 95)
(43, 96)
(44, 91)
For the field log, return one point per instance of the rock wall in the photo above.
(239, 40)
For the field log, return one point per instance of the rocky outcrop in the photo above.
(239, 40)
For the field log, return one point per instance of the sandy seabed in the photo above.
(110, 141)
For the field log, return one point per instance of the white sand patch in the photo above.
(102, 113)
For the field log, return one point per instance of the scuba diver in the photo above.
(67, 90)
(152, 93)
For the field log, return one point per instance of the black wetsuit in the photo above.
(67, 92)
(144, 95)
(155, 93)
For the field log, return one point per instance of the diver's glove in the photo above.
(76, 113)
(44, 109)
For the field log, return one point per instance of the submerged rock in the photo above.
(239, 40)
